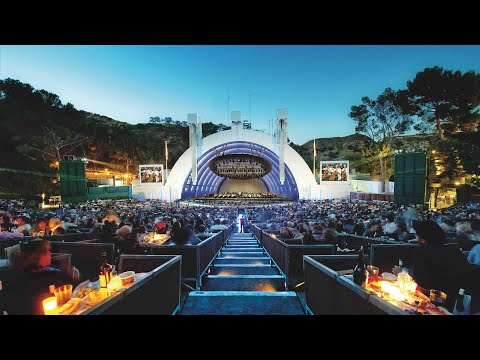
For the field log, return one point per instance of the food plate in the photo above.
(69, 307)
(389, 276)
(96, 296)
(84, 288)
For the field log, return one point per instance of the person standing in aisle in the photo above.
(242, 223)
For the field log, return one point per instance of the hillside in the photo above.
(37, 129)
(347, 148)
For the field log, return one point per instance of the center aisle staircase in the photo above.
(243, 281)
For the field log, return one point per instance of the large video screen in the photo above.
(332, 171)
(151, 174)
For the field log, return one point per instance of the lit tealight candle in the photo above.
(50, 305)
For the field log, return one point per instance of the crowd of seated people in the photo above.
(377, 219)
(306, 222)
(111, 221)
(103, 218)
(293, 220)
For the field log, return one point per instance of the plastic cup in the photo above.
(63, 293)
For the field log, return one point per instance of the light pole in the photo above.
(166, 154)
(43, 200)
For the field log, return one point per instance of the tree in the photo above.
(457, 157)
(247, 125)
(446, 100)
(155, 120)
(382, 121)
(97, 148)
(223, 127)
(52, 145)
(50, 99)
(125, 158)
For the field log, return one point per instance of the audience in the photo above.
(310, 222)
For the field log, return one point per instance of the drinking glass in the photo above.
(373, 271)
(63, 293)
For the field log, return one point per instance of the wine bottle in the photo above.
(360, 276)
(105, 269)
(462, 304)
(461, 295)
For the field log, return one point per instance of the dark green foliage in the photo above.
(26, 113)
(382, 120)
(445, 101)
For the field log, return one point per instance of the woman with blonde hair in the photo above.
(123, 239)
(55, 226)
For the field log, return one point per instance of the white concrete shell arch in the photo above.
(301, 172)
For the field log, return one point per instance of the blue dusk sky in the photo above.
(317, 83)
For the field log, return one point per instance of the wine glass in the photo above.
(373, 271)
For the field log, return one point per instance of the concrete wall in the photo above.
(333, 191)
(150, 191)
(371, 186)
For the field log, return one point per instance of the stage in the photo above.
(240, 199)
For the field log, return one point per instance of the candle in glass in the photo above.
(50, 305)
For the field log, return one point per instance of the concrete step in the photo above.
(240, 254)
(264, 283)
(242, 241)
(249, 241)
(234, 245)
(243, 260)
(231, 250)
(243, 269)
(250, 246)
(242, 303)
